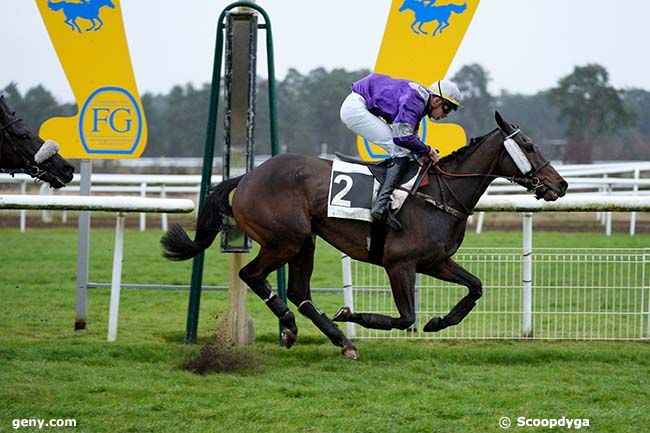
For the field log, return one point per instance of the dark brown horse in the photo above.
(282, 205)
(23, 151)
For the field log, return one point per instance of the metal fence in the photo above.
(577, 294)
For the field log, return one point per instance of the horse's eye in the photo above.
(529, 147)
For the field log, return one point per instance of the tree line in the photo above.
(583, 118)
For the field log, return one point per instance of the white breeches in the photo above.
(359, 120)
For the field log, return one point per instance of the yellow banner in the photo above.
(89, 38)
(419, 44)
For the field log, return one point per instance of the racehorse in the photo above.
(23, 151)
(427, 13)
(88, 9)
(282, 205)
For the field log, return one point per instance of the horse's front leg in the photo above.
(73, 25)
(402, 284)
(422, 31)
(413, 27)
(454, 273)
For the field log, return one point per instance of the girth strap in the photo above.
(443, 207)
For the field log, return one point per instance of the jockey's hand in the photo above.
(433, 155)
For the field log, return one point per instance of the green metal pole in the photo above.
(208, 157)
(206, 178)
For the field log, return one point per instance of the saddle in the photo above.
(378, 168)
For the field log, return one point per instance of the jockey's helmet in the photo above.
(448, 91)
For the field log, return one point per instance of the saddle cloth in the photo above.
(353, 190)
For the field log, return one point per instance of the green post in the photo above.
(208, 157)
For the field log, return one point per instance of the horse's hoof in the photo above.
(288, 338)
(350, 353)
(434, 325)
(342, 315)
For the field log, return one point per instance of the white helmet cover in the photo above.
(447, 90)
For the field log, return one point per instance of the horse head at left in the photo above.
(527, 166)
(23, 151)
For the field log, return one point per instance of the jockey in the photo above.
(387, 112)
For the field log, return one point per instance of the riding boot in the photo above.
(394, 173)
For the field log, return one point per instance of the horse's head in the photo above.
(408, 4)
(108, 3)
(524, 164)
(21, 150)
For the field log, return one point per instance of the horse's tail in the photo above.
(177, 245)
(459, 9)
(55, 6)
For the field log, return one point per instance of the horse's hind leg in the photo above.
(454, 273)
(300, 270)
(402, 283)
(254, 274)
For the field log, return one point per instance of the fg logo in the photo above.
(110, 122)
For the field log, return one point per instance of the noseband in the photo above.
(30, 166)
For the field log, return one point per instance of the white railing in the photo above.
(533, 291)
(580, 178)
(137, 184)
(119, 204)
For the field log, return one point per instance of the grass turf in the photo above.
(136, 384)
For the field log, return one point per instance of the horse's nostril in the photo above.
(563, 186)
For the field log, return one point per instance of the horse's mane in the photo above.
(473, 142)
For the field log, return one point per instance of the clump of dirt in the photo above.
(215, 358)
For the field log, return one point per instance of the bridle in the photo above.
(528, 178)
(29, 165)
(528, 170)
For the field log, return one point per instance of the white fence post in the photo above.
(635, 191)
(23, 212)
(163, 217)
(527, 276)
(116, 280)
(143, 216)
(645, 288)
(46, 215)
(348, 299)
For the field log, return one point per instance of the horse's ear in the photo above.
(503, 125)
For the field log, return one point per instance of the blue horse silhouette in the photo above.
(426, 13)
(87, 9)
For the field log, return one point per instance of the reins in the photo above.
(529, 179)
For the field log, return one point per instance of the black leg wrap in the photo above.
(283, 313)
(323, 323)
(276, 305)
